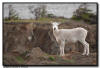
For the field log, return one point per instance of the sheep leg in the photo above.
(60, 50)
(63, 46)
(84, 52)
(87, 48)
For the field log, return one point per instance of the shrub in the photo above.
(83, 13)
(51, 58)
(75, 18)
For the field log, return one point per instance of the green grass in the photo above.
(85, 16)
(19, 59)
(52, 19)
(75, 18)
(51, 58)
(41, 20)
(69, 60)
(65, 60)
(18, 21)
(46, 54)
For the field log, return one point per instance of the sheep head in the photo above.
(55, 25)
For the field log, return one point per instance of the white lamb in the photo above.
(70, 35)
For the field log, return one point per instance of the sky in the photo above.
(65, 10)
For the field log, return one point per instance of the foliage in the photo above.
(83, 13)
(19, 59)
(51, 58)
(75, 18)
(50, 15)
(12, 14)
(39, 11)
(6, 19)
(43, 11)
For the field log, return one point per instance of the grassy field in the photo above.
(41, 20)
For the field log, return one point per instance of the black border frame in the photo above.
(97, 35)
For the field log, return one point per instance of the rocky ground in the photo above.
(38, 57)
(43, 49)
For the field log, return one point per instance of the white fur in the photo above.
(70, 35)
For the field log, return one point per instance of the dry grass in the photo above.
(41, 20)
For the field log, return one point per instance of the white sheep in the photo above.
(70, 35)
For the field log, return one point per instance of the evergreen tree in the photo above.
(12, 13)
(83, 13)
(39, 11)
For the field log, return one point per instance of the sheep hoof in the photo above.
(62, 55)
(87, 54)
(83, 53)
